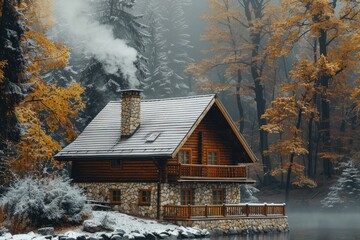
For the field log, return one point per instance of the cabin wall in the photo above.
(130, 195)
(208, 136)
(170, 194)
(102, 171)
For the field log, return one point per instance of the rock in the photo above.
(232, 232)
(126, 237)
(205, 233)
(46, 231)
(3, 230)
(139, 236)
(82, 237)
(119, 232)
(116, 237)
(163, 236)
(218, 232)
(105, 236)
(150, 236)
(91, 226)
(93, 238)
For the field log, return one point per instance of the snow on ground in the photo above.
(115, 222)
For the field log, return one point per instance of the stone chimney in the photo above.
(130, 111)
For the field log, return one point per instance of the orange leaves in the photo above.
(35, 146)
(59, 106)
(45, 54)
(47, 112)
(2, 65)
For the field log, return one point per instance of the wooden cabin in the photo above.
(151, 157)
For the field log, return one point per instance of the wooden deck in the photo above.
(183, 212)
(198, 171)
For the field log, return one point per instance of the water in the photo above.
(308, 225)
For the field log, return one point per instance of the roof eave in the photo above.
(236, 131)
(111, 157)
(193, 127)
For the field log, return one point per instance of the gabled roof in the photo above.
(171, 120)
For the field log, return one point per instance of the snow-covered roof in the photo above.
(171, 119)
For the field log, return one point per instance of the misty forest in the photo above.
(287, 72)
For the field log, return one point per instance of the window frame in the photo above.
(117, 165)
(220, 199)
(189, 150)
(141, 196)
(112, 201)
(217, 152)
(189, 191)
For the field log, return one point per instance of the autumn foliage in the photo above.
(45, 115)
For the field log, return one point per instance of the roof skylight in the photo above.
(152, 137)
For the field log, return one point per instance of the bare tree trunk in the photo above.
(325, 108)
(292, 156)
(256, 7)
(239, 104)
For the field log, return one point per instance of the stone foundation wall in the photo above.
(170, 192)
(240, 226)
(129, 196)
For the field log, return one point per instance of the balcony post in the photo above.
(265, 209)
(189, 211)
(206, 210)
(283, 209)
(224, 210)
(247, 210)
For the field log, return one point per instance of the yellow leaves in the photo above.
(38, 13)
(303, 181)
(2, 65)
(47, 112)
(35, 145)
(355, 96)
(45, 54)
(283, 108)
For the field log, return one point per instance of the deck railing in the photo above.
(206, 171)
(183, 212)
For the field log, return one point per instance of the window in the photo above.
(212, 157)
(187, 196)
(145, 197)
(218, 196)
(184, 156)
(116, 163)
(115, 196)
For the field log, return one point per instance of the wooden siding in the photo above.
(101, 171)
(212, 134)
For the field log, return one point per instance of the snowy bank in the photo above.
(117, 226)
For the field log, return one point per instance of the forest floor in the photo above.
(299, 197)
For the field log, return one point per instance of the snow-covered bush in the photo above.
(346, 191)
(247, 193)
(43, 201)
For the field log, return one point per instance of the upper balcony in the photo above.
(198, 172)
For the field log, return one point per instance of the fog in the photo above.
(313, 224)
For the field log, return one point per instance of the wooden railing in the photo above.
(183, 212)
(176, 171)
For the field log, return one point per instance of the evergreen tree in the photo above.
(346, 191)
(157, 82)
(12, 70)
(177, 45)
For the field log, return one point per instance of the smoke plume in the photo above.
(79, 29)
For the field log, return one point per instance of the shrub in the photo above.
(44, 201)
(247, 193)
